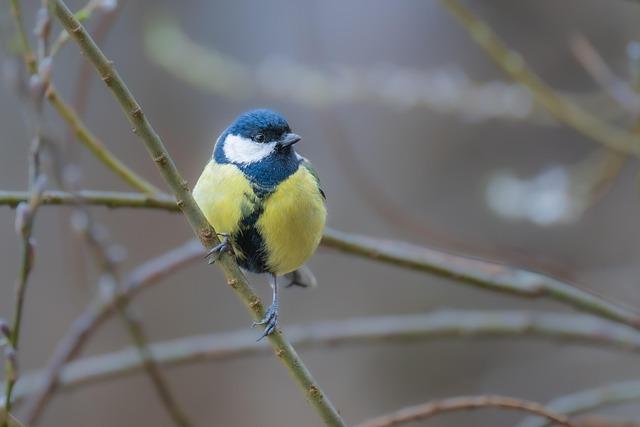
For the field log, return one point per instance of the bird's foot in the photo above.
(270, 320)
(216, 252)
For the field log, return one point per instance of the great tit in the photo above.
(265, 200)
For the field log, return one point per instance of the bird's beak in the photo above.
(289, 139)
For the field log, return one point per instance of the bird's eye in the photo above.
(259, 137)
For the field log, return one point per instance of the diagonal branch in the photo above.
(100, 310)
(109, 286)
(99, 150)
(561, 108)
(69, 115)
(285, 352)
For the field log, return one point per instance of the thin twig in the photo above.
(100, 310)
(483, 274)
(619, 90)
(26, 212)
(558, 106)
(589, 400)
(8, 419)
(82, 15)
(429, 409)
(479, 273)
(25, 217)
(581, 329)
(109, 285)
(72, 119)
(111, 199)
(25, 47)
(99, 150)
(285, 352)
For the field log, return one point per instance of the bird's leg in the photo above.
(270, 319)
(224, 246)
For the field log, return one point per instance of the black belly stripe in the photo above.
(247, 239)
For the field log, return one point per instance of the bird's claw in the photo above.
(270, 320)
(214, 253)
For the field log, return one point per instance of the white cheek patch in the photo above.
(242, 150)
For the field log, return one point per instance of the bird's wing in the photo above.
(308, 166)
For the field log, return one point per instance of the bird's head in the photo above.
(255, 136)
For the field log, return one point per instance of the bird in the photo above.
(265, 201)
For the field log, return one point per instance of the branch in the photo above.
(276, 78)
(482, 274)
(99, 150)
(8, 419)
(582, 329)
(194, 215)
(429, 409)
(100, 310)
(82, 15)
(72, 119)
(109, 285)
(25, 47)
(588, 400)
(25, 217)
(478, 273)
(111, 199)
(26, 212)
(591, 60)
(558, 106)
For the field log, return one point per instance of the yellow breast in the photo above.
(292, 218)
(292, 222)
(221, 192)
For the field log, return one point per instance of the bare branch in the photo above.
(559, 107)
(109, 285)
(564, 328)
(483, 274)
(588, 400)
(429, 409)
(203, 230)
(478, 273)
(72, 119)
(111, 199)
(8, 419)
(100, 310)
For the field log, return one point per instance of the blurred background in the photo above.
(416, 135)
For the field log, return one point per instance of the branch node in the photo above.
(255, 304)
(314, 392)
(160, 159)
(137, 113)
